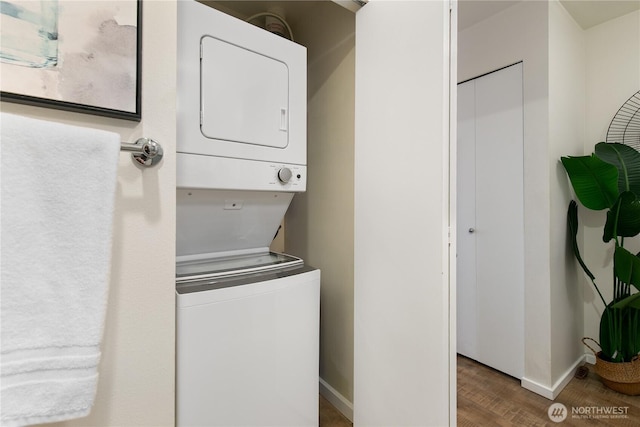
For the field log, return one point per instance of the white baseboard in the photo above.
(336, 399)
(590, 358)
(552, 392)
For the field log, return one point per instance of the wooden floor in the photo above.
(487, 397)
(330, 416)
(490, 398)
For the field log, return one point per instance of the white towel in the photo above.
(58, 187)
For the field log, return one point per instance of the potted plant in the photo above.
(610, 179)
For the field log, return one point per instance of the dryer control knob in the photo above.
(284, 175)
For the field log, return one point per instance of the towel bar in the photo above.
(145, 151)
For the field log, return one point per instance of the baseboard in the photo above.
(552, 392)
(336, 399)
(590, 358)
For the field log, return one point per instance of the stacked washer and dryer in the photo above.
(247, 319)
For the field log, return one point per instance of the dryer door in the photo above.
(245, 95)
(241, 90)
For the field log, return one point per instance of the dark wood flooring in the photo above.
(487, 397)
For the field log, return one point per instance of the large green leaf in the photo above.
(632, 301)
(594, 181)
(610, 335)
(632, 347)
(627, 160)
(626, 267)
(624, 217)
(572, 222)
(619, 337)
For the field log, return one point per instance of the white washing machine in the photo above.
(247, 319)
(247, 341)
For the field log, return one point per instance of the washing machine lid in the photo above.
(230, 266)
(213, 223)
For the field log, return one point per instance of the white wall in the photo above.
(520, 33)
(612, 76)
(136, 383)
(401, 317)
(320, 221)
(566, 137)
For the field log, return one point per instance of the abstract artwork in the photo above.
(73, 55)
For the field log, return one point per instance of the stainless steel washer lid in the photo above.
(222, 267)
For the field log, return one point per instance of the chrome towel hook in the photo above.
(145, 151)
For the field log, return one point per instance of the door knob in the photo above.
(472, 230)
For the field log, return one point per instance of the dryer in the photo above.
(247, 319)
(242, 95)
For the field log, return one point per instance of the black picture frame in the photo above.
(68, 105)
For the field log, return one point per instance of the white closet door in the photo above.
(466, 203)
(494, 251)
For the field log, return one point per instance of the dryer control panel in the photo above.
(238, 174)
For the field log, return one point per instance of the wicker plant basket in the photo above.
(621, 377)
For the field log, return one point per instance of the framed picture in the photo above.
(82, 56)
